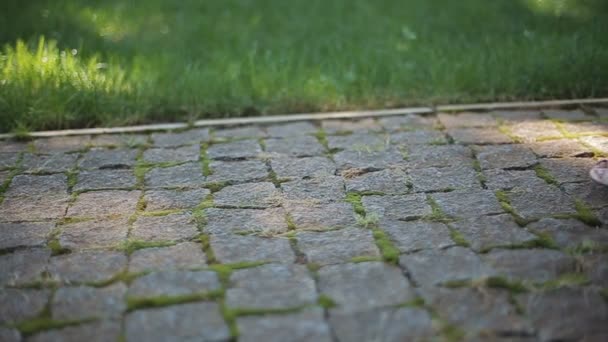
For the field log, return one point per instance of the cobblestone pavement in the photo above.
(475, 226)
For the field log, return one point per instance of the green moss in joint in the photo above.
(140, 303)
(206, 245)
(72, 179)
(326, 302)
(458, 238)
(216, 186)
(505, 203)
(452, 333)
(131, 246)
(291, 225)
(56, 248)
(545, 175)
(36, 325)
(503, 283)
(321, 136)
(355, 199)
(205, 161)
(370, 220)
(389, 252)
(565, 280)
(160, 212)
(585, 214)
(364, 258)
(437, 214)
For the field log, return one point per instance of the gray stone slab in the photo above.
(533, 265)
(234, 150)
(567, 115)
(98, 331)
(418, 137)
(99, 233)
(338, 246)
(570, 233)
(316, 190)
(487, 232)
(534, 130)
(82, 302)
(12, 146)
(417, 235)
(390, 325)
(531, 203)
(271, 286)
(439, 156)
(185, 322)
(239, 132)
(374, 160)
(560, 148)
(596, 268)
(248, 195)
(389, 181)
(593, 194)
(510, 116)
(185, 255)
(567, 314)
(443, 179)
(434, 267)
(172, 227)
(363, 286)
(105, 179)
(318, 217)
(349, 126)
(119, 140)
(599, 143)
(479, 136)
(291, 129)
(569, 170)
(29, 185)
(172, 139)
(238, 248)
(87, 266)
(499, 179)
(398, 207)
(299, 146)
(23, 266)
(266, 222)
(62, 144)
(49, 163)
(104, 203)
(108, 159)
(22, 304)
(173, 155)
(467, 120)
(408, 122)
(33, 208)
(360, 142)
(505, 157)
(585, 127)
(306, 325)
(185, 175)
(4, 176)
(9, 335)
(238, 171)
(173, 283)
(294, 168)
(14, 235)
(157, 200)
(467, 203)
(8, 160)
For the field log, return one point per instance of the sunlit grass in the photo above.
(163, 60)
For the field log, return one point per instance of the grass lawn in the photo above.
(118, 62)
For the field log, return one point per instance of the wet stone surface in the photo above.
(333, 230)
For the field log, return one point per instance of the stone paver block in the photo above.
(238, 248)
(467, 120)
(302, 146)
(185, 255)
(479, 136)
(9, 335)
(21, 304)
(37, 208)
(360, 142)
(534, 130)
(62, 144)
(506, 157)
(8, 160)
(538, 202)
(467, 203)
(14, 235)
(389, 181)
(173, 283)
(434, 267)
(172, 139)
(271, 286)
(239, 133)
(105, 179)
(291, 129)
(157, 200)
(567, 115)
(82, 302)
(307, 325)
(570, 233)
(173, 155)
(592, 193)
(104, 203)
(418, 137)
(569, 170)
(585, 127)
(11, 146)
(29, 185)
(363, 286)
(97, 233)
(349, 126)
(475, 311)
(119, 140)
(560, 148)
(23, 266)
(238, 171)
(499, 179)
(78, 267)
(509, 116)
(234, 150)
(108, 159)
(248, 195)
(417, 235)
(487, 232)
(228, 221)
(316, 190)
(596, 268)
(57, 162)
(408, 122)
(370, 161)
(185, 322)
(337, 246)
(390, 325)
(172, 227)
(439, 156)
(405, 207)
(534, 265)
(185, 175)
(567, 314)
(293, 168)
(599, 143)
(321, 216)
(442, 179)
(98, 331)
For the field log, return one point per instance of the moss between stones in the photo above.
(585, 214)
(437, 215)
(565, 280)
(291, 225)
(56, 248)
(355, 200)
(368, 221)
(365, 258)
(326, 302)
(452, 333)
(72, 179)
(587, 247)
(131, 246)
(504, 283)
(389, 252)
(216, 186)
(160, 301)
(205, 161)
(321, 136)
(545, 175)
(505, 203)
(160, 212)
(36, 325)
(458, 238)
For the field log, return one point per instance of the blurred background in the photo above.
(69, 63)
